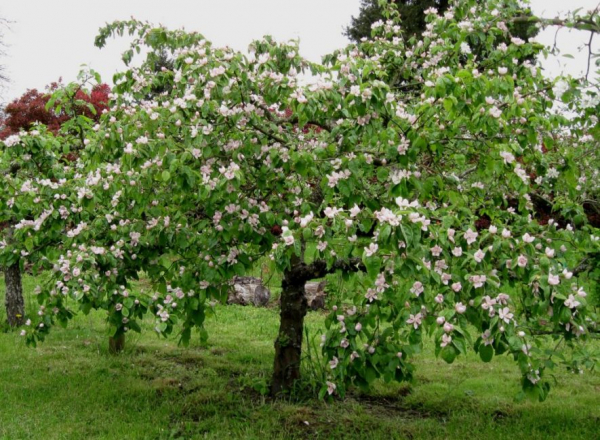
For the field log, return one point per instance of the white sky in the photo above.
(49, 39)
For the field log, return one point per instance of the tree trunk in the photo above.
(288, 346)
(15, 305)
(116, 344)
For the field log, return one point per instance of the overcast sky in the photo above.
(49, 39)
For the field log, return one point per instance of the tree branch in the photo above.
(580, 23)
(303, 272)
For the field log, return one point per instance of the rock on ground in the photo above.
(248, 291)
(315, 294)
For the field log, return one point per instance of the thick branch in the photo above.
(587, 263)
(580, 23)
(318, 269)
(268, 134)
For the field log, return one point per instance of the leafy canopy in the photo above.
(465, 194)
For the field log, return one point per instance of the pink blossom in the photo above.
(330, 388)
(502, 298)
(380, 283)
(460, 308)
(371, 249)
(505, 315)
(446, 277)
(417, 288)
(528, 238)
(333, 363)
(331, 212)
(478, 280)
(415, 320)
(479, 256)
(487, 303)
(371, 295)
(436, 251)
(304, 221)
(470, 236)
(487, 337)
(571, 302)
(446, 339)
(288, 240)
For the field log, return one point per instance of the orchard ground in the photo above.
(69, 387)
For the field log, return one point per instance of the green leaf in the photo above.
(166, 260)
(449, 353)
(373, 265)
(486, 352)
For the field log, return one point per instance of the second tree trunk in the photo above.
(15, 305)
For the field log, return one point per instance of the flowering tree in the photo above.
(457, 211)
(32, 161)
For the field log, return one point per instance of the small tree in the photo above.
(31, 154)
(23, 159)
(427, 204)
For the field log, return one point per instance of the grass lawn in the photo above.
(71, 388)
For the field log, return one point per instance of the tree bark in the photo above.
(288, 346)
(116, 344)
(15, 305)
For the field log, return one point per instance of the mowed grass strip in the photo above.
(71, 388)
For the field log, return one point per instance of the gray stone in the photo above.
(248, 291)
(315, 294)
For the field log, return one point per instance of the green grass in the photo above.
(71, 388)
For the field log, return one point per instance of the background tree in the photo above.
(412, 16)
(32, 108)
(412, 19)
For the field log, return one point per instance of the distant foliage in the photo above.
(29, 109)
(412, 16)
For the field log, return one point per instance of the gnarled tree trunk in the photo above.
(15, 305)
(288, 346)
